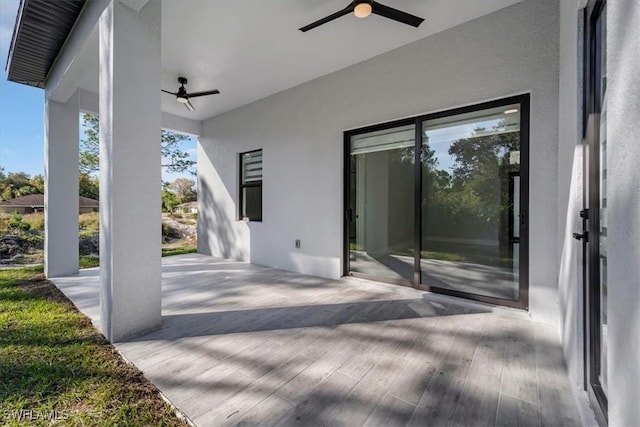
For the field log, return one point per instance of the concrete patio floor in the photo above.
(247, 345)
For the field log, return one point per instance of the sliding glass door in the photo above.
(470, 197)
(440, 202)
(382, 201)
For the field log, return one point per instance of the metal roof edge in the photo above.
(40, 34)
(16, 27)
(66, 40)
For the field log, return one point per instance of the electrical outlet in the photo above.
(297, 243)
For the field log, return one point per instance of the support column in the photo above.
(130, 176)
(61, 187)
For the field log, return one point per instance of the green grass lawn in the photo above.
(55, 364)
(92, 261)
(179, 250)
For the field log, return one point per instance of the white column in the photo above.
(130, 179)
(61, 187)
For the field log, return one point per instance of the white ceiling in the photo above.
(250, 49)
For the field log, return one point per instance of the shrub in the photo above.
(34, 240)
(169, 231)
(15, 221)
(89, 245)
(35, 221)
(88, 233)
(89, 221)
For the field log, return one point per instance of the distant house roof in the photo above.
(37, 200)
(41, 29)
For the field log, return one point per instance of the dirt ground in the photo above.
(19, 250)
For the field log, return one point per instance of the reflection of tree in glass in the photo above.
(427, 155)
(483, 149)
(471, 202)
(481, 163)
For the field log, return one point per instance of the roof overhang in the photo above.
(248, 49)
(41, 29)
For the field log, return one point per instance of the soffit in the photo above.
(40, 32)
(252, 49)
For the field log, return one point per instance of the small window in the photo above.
(251, 185)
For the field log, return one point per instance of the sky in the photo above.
(22, 113)
(441, 139)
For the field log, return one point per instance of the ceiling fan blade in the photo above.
(172, 93)
(206, 92)
(396, 15)
(189, 106)
(326, 19)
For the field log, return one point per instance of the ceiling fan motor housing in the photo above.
(183, 97)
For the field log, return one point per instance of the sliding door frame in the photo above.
(417, 121)
(348, 213)
(591, 266)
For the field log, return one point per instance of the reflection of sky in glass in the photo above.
(441, 139)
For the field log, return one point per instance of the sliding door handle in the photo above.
(523, 220)
(348, 215)
(581, 236)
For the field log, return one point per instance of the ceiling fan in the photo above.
(183, 97)
(364, 8)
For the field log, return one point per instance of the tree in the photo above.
(169, 200)
(90, 145)
(174, 159)
(38, 183)
(482, 163)
(89, 186)
(17, 184)
(184, 189)
(482, 152)
(472, 199)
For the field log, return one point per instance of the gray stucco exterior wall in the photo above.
(623, 169)
(511, 51)
(570, 188)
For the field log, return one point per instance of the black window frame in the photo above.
(242, 186)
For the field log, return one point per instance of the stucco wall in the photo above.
(570, 185)
(7, 210)
(512, 51)
(623, 191)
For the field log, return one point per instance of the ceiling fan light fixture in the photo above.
(183, 97)
(362, 9)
